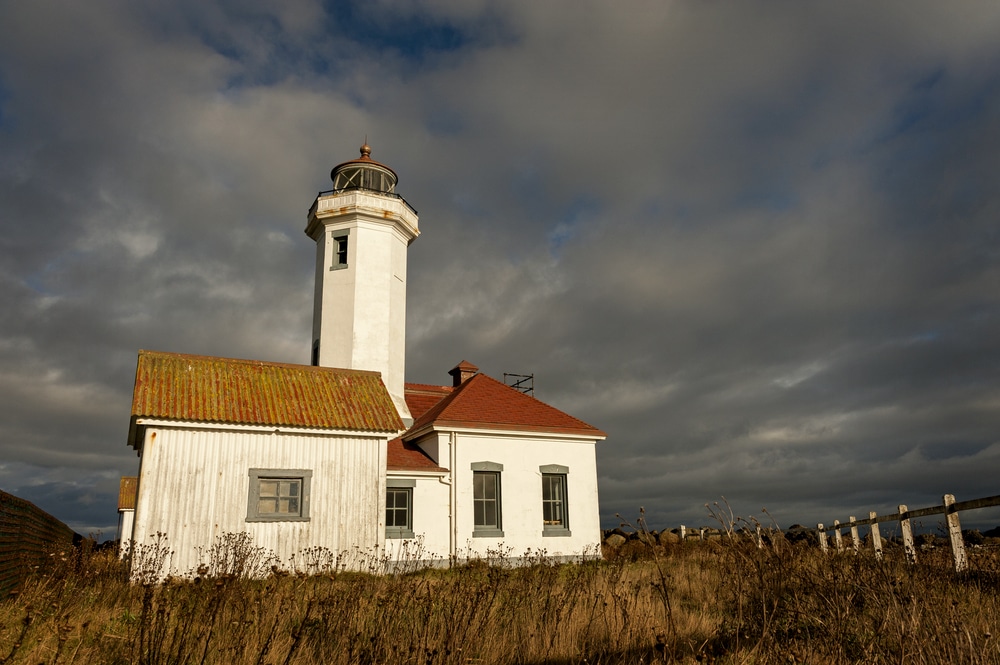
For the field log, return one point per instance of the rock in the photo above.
(973, 537)
(798, 533)
(614, 540)
(668, 537)
(647, 537)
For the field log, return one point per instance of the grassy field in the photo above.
(724, 601)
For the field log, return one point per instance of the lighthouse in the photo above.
(362, 229)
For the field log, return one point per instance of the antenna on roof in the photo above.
(523, 382)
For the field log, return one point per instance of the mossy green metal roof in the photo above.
(174, 386)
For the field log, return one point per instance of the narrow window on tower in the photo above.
(339, 250)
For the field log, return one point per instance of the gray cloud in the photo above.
(756, 243)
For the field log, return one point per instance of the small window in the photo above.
(486, 500)
(399, 512)
(279, 495)
(555, 517)
(339, 249)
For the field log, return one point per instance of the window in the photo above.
(399, 508)
(555, 518)
(363, 178)
(339, 249)
(279, 495)
(486, 500)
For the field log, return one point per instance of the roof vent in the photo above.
(462, 372)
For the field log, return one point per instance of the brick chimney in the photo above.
(462, 372)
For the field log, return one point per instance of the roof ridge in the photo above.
(432, 413)
(251, 361)
(426, 386)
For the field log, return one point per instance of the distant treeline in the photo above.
(28, 535)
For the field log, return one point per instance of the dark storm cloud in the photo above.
(755, 242)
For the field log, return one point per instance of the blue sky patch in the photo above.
(414, 36)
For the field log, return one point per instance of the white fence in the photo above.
(949, 508)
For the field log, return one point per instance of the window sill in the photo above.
(393, 533)
(282, 518)
(556, 533)
(487, 533)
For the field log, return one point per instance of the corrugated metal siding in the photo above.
(194, 485)
(249, 392)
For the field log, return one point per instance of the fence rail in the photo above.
(949, 508)
(28, 534)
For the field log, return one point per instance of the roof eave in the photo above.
(435, 472)
(499, 428)
(145, 421)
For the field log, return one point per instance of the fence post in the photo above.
(821, 533)
(876, 538)
(855, 538)
(907, 531)
(683, 532)
(837, 540)
(760, 539)
(955, 534)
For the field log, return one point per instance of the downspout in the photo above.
(452, 499)
(453, 536)
(450, 482)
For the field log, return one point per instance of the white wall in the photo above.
(126, 518)
(431, 495)
(194, 485)
(359, 312)
(521, 493)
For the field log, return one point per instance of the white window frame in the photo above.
(405, 486)
(491, 470)
(303, 476)
(558, 474)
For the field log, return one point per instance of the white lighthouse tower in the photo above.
(362, 230)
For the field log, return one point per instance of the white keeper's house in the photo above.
(343, 454)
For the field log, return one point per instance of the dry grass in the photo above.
(724, 601)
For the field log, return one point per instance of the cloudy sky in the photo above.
(758, 243)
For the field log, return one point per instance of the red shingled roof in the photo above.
(406, 456)
(485, 403)
(176, 386)
(420, 397)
